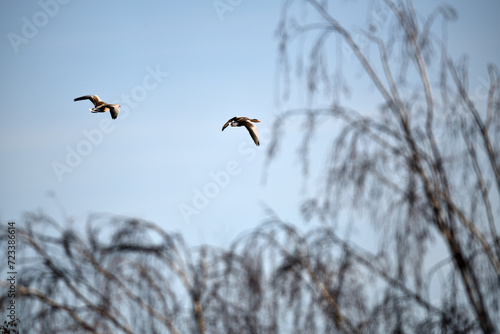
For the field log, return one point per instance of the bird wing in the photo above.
(227, 123)
(252, 129)
(93, 98)
(113, 110)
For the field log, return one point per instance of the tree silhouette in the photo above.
(424, 165)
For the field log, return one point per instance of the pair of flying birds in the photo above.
(101, 106)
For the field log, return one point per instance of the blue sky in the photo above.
(180, 69)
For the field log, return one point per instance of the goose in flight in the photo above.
(247, 123)
(100, 105)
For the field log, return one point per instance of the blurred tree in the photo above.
(126, 276)
(424, 166)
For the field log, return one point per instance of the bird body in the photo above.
(100, 105)
(247, 123)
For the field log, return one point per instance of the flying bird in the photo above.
(247, 123)
(100, 105)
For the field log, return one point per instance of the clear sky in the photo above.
(180, 69)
